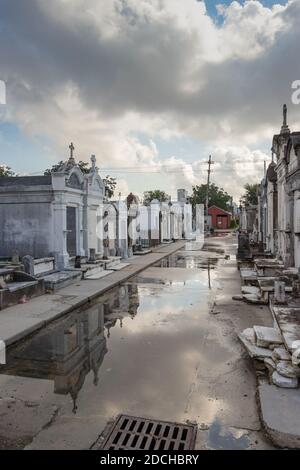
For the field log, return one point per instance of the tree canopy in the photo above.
(216, 196)
(84, 167)
(109, 182)
(6, 171)
(149, 196)
(250, 196)
(110, 185)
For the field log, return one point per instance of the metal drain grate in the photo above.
(129, 432)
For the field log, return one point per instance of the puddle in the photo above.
(226, 438)
(188, 262)
(145, 348)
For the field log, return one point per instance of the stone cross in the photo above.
(72, 148)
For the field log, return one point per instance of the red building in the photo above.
(220, 219)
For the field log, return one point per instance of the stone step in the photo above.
(112, 261)
(119, 266)
(89, 270)
(99, 275)
(143, 252)
(60, 279)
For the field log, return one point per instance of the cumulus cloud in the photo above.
(100, 73)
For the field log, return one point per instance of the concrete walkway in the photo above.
(19, 321)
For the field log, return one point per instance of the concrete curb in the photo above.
(82, 300)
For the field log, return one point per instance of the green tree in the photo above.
(84, 167)
(109, 182)
(161, 196)
(216, 196)
(110, 185)
(250, 196)
(6, 171)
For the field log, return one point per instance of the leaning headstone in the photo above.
(28, 263)
(15, 258)
(279, 292)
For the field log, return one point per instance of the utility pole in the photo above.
(208, 182)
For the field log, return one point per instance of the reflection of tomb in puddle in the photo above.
(120, 303)
(187, 261)
(64, 352)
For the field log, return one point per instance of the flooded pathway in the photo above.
(148, 348)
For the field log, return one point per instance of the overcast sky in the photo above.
(152, 87)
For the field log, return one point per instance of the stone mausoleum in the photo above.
(55, 215)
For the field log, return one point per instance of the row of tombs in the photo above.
(56, 229)
(266, 281)
(270, 267)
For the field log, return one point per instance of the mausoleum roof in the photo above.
(26, 180)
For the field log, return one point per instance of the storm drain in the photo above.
(131, 433)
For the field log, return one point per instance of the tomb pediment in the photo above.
(74, 181)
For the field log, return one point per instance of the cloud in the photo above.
(99, 73)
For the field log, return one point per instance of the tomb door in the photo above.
(71, 231)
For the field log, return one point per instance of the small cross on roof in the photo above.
(72, 148)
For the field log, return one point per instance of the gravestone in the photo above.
(15, 259)
(59, 261)
(243, 246)
(28, 263)
(279, 292)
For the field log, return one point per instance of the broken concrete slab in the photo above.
(270, 364)
(266, 336)
(248, 275)
(280, 413)
(248, 340)
(288, 320)
(281, 354)
(237, 297)
(251, 290)
(254, 299)
(287, 369)
(267, 284)
(284, 382)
